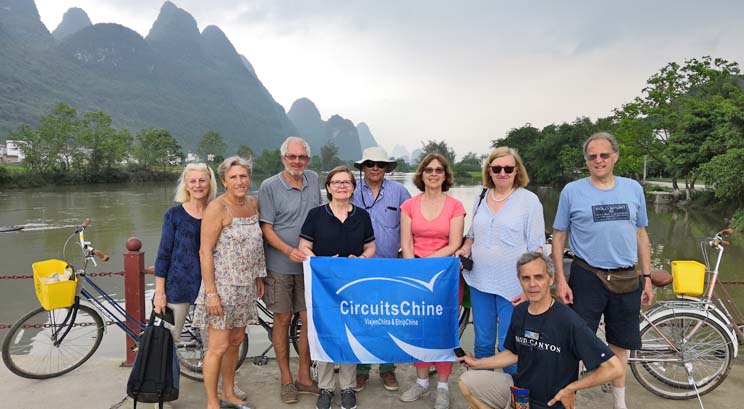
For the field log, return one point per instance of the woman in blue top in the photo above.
(177, 271)
(506, 223)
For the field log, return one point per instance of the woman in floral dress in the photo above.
(233, 267)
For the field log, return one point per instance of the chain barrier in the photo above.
(42, 326)
(29, 276)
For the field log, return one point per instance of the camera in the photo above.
(467, 263)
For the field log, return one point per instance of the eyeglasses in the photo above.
(497, 169)
(372, 164)
(437, 171)
(291, 157)
(603, 155)
(340, 183)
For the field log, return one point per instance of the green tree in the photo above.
(51, 146)
(211, 146)
(665, 109)
(269, 162)
(156, 148)
(725, 174)
(471, 162)
(521, 138)
(245, 151)
(329, 156)
(34, 149)
(402, 166)
(60, 128)
(315, 164)
(441, 148)
(102, 146)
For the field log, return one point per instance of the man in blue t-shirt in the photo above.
(546, 340)
(606, 216)
(381, 198)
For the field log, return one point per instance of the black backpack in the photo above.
(156, 372)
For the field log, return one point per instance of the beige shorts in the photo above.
(489, 387)
(284, 293)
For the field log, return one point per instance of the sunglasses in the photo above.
(603, 155)
(497, 169)
(437, 171)
(372, 164)
(291, 157)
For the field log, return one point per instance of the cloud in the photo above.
(480, 67)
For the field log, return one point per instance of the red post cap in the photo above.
(134, 244)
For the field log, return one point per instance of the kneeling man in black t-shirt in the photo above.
(546, 340)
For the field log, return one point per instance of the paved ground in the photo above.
(101, 383)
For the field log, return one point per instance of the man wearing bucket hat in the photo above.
(381, 198)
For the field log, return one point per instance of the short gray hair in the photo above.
(606, 136)
(234, 161)
(294, 139)
(531, 256)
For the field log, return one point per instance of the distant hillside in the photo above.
(366, 139)
(74, 20)
(177, 78)
(340, 131)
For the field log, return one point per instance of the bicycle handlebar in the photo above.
(718, 238)
(725, 232)
(88, 251)
(101, 255)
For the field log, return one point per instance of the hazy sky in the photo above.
(465, 71)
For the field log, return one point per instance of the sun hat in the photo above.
(376, 154)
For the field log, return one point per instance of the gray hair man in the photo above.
(546, 340)
(606, 216)
(284, 201)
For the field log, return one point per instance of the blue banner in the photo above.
(382, 310)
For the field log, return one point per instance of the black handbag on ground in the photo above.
(156, 372)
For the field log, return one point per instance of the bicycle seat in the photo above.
(661, 278)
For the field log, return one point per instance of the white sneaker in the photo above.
(413, 393)
(443, 399)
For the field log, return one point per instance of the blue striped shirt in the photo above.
(385, 214)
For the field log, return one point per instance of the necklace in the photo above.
(493, 196)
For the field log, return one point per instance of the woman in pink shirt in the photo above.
(431, 225)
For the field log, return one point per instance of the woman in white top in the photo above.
(506, 223)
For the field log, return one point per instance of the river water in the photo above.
(125, 210)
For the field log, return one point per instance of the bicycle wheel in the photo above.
(295, 328)
(192, 347)
(661, 367)
(30, 349)
(463, 320)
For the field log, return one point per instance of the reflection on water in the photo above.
(121, 211)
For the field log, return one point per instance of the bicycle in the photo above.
(63, 333)
(688, 344)
(192, 346)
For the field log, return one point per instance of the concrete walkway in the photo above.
(101, 384)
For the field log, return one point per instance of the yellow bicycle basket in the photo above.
(54, 294)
